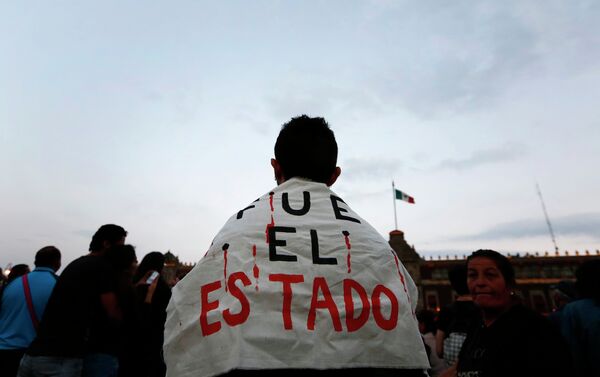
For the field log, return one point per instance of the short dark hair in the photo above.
(458, 279)
(588, 279)
(108, 232)
(502, 262)
(48, 256)
(306, 148)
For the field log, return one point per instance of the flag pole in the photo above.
(394, 199)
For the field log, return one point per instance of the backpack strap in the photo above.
(30, 307)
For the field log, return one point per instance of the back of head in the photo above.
(306, 148)
(48, 256)
(152, 261)
(110, 233)
(588, 280)
(121, 257)
(458, 279)
(16, 271)
(502, 262)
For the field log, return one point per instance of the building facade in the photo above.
(536, 274)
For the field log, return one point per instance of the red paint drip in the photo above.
(225, 267)
(272, 224)
(269, 226)
(349, 247)
(255, 270)
(403, 283)
(349, 263)
(400, 273)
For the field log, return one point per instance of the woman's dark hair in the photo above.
(502, 262)
(306, 148)
(152, 261)
(588, 279)
(120, 257)
(16, 271)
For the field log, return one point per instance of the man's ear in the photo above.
(277, 171)
(334, 176)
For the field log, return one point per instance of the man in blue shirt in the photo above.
(18, 317)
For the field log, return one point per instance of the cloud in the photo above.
(507, 152)
(585, 224)
(84, 233)
(373, 168)
(297, 96)
(464, 56)
(456, 57)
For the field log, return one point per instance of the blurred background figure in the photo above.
(454, 321)
(427, 329)
(22, 306)
(16, 271)
(562, 293)
(511, 340)
(580, 321)
(143, 356)
(106, 336)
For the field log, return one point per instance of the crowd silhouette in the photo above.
(103, 316)
(501, 337)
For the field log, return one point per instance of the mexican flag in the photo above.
(403, 196)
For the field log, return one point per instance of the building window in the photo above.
(432, 300)
(439, 274)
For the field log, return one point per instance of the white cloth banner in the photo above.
(295, 280)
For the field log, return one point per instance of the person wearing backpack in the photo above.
(23, 303)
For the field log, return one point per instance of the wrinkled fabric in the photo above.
(300, 228)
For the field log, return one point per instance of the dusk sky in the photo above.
(162, 116)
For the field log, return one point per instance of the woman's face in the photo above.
(487, 285)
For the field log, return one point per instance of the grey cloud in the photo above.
(508, 152)
(361, 169)
(468, 53)
(297, 101)
(85, 233)
(585, 224)
(471, 53)
(295, 98)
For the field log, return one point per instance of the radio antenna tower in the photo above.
(546, 215)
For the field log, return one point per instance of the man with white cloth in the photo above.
(296, 283)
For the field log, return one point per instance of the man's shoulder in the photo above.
(14, 288)
(86, 267)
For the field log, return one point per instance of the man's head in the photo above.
(306, 148)
(122, 258)
(48, 256)
(108, 235)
